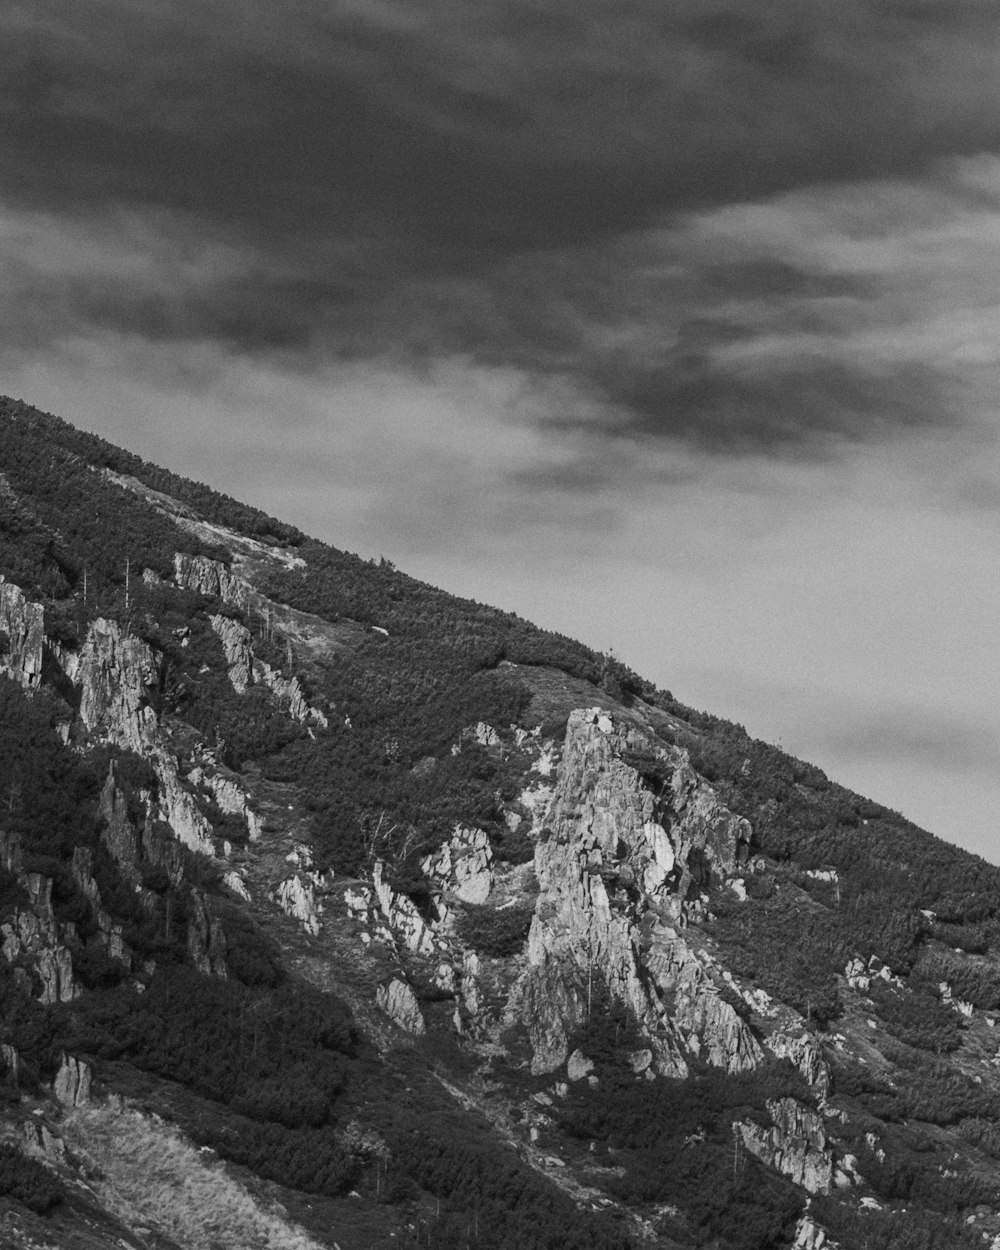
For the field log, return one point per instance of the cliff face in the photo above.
(211, 577)
(22, 636)
(619, 867)
(120, 684)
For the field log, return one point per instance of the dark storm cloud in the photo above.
(492, 180)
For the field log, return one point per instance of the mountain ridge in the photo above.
(374, 890)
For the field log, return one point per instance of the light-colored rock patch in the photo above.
(23, 624)
(399, 1003)
(463, 865)
(795, 1145)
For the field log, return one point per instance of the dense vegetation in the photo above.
(26, 1180)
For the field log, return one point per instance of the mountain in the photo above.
(337, 911)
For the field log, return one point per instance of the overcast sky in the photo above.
(674, 327)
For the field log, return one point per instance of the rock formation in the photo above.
(211, 577)
(178, 807)
(245, 670)
(230, 797)
(400, 1004)
(22, 634)
(238, 646)
(297, 898)
(795, 1145)
(206, 942)
(118, 831)
(110, 933)
(616, 866)
(401, 915)
(120, 687)
(71, 1086)
(30, 939)
(463, 865)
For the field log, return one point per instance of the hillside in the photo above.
(337, 911)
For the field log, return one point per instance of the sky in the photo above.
(675, 328)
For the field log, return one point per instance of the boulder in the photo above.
(399, 1003)
(71, 1086)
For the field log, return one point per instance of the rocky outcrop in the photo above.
(795, 1145)
(233, 881)
(615, 868)
(71, 1086)
(65, 658)
(30, 939)
(231, 799)
(400, 1004)
(711, 1028)
(117, 830)
(11, 1061)
(119, 687)
(110, 934)
(211, 577)
(463, 865)
(22, 636)
(245, 671)
(288, 691)
(578, 1066)
(178, 808)
(206, 942)
(809, 1236)
(805, 1053)
(238, 646)
(401, 915)
(297, 899)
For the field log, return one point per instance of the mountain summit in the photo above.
(340, 912)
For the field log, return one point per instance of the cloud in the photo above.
(736, 231)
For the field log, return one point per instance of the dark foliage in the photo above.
(676, 1143)
(492, 1197)
(493, 931)
(27, 1181)
(276, 1055)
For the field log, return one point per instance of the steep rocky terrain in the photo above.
(335, 911)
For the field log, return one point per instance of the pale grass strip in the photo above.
(150, 1175)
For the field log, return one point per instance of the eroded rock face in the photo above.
(245, 671)
(30, 938)
(119, 686)
(178, 807)
(463, 865)
(615, 870)
(211, 577)
(400, 1004)
(71, 1086)
(795, 1145)
(11, 1060)
(809, 1236)
(206, 941)
(401, 915)
(118, 831)
(23, 624)
(288, 691)
(110, 933)
(804, 1052)
(297, 899)
(231, 798)
(238, 646)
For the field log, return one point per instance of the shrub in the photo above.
(495, 931)
(26, 1180)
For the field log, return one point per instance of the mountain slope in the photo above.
(384, 917)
